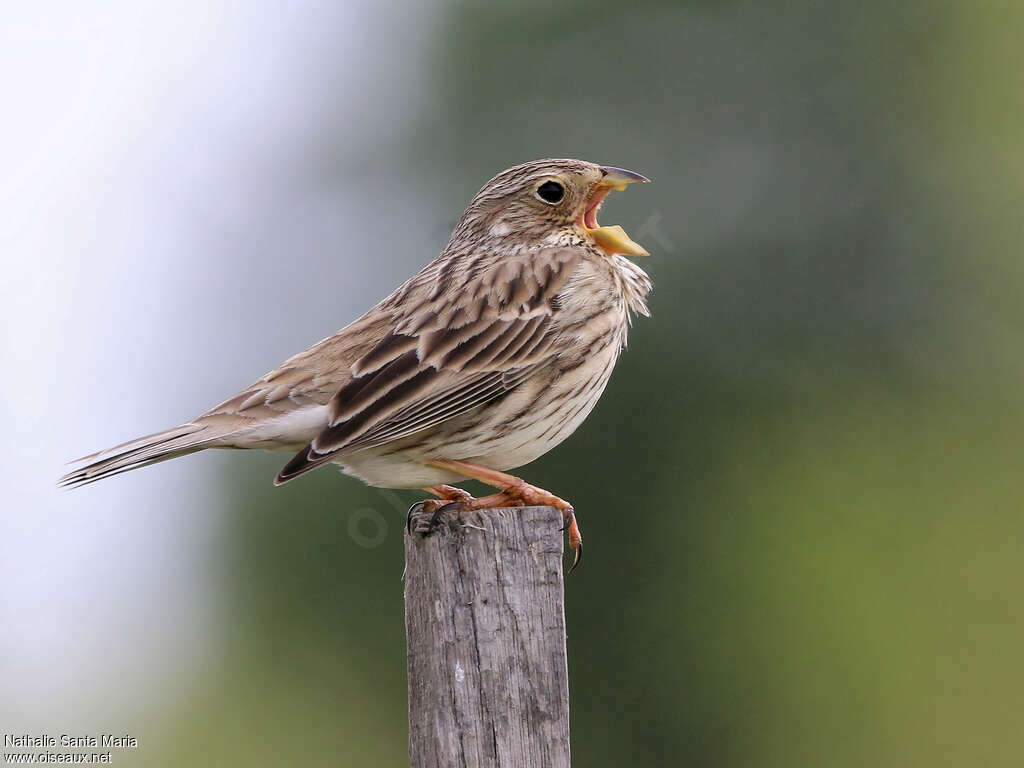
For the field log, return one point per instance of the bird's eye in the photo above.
(551, 192)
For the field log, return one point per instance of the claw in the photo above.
(439, 507)
(574, 538)
(435, 518)
(415, 509)
(577, 558)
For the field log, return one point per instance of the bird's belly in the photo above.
(552, 413)
(505, 434)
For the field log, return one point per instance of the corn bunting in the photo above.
(490, 356)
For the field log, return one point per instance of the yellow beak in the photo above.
(611, 239)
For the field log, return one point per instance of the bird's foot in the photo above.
(449, 492)
(519, 492)
(531, 495)
(425, 516)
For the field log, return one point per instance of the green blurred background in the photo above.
(801, 492)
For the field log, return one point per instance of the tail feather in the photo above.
(151, 449)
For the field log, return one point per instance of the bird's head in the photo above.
(539, 199)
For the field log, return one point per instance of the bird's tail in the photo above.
(179, 441)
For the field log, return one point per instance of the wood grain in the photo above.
(485, 627)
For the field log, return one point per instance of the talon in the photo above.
(415, 509)
(577, 558)
(575, 538)
(425, 528)
(435, 519)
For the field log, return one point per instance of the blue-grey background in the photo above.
(801, 492)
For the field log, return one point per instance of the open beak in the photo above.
(611, 239)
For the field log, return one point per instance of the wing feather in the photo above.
(449, 351)
(424, 415)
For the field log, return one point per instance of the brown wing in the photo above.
(454, 346)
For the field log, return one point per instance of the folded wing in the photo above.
(460, 338)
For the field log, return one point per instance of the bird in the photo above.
(487, 358)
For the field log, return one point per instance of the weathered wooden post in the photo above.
(485, 630)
